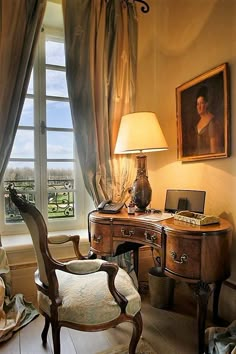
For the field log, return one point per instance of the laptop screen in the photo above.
(178, 199)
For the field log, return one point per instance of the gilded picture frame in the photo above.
(203, 116)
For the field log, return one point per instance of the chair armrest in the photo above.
(60, 239)
(112, 269)
(83, 266)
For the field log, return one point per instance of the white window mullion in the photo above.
(40, 121)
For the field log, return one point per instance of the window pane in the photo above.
(31, 83)
(60, 145)
(58, 114)
(23, 145)
(27, 115)
(55, 53)
(60, 189)
(21, 174)
(60, 171)
(60, 203)
(56, 83)
(12, 214)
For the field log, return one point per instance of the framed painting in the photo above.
(203, 117)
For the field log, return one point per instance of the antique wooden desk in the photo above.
(198, 255)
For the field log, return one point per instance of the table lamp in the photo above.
(140, 132)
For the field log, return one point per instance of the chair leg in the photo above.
(45, 331)
(56, 337)
(137, 331)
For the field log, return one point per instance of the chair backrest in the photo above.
(181, 199)
(38, 231)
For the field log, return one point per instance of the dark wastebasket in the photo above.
(161, 288)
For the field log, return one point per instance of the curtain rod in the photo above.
(145, 7)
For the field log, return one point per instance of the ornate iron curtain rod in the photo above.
(145, 7)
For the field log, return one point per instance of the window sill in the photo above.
(20, 251)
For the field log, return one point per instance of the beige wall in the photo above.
(179, 40)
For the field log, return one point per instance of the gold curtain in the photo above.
(101, 54)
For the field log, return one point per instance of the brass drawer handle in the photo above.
(127, 233)
(183, 258)
(97, 239)
(150, 237)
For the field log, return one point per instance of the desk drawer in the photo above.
(183, 257)
(101, 238)
(144, 235)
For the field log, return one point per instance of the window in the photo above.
(43, 164)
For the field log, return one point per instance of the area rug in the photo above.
(142, 348)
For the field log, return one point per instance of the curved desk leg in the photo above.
(216, 296)
(202, 291)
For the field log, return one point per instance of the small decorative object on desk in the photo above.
(196, 218)
(131, 208)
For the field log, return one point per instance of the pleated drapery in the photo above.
(20, 23)
(101, 54)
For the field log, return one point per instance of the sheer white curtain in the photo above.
(101, 52)
(20, 24)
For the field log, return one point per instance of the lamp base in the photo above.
(141, 211)
(141, 189)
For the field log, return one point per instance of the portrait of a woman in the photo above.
(208, 128)
(203, 116)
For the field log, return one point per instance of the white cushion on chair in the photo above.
(84, 300)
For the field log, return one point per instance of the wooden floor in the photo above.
(168, 331)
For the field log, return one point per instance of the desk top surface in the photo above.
(169, 223)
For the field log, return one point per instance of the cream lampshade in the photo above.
(140, 132)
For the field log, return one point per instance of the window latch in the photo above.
(43, 127)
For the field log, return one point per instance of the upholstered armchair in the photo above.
(83, 294)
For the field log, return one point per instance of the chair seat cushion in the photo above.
(85, 298)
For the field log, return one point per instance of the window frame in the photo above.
(81, 198)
